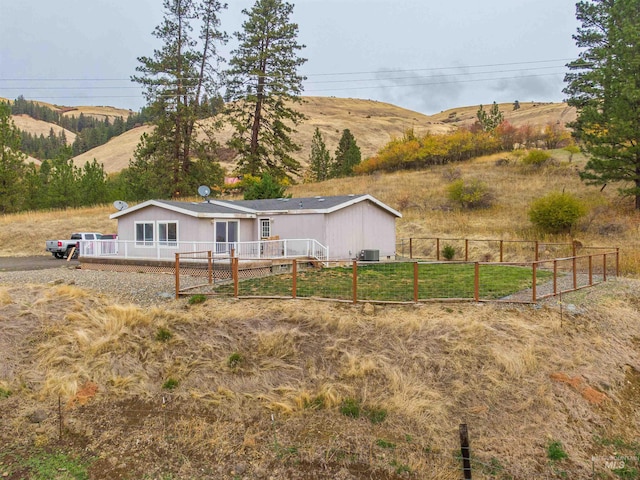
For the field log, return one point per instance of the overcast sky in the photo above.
(424, 55)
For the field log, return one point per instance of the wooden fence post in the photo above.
(501, 250)
(177, 270)
(294, 286)
(410, 247)
(534, 280)
(438, 249)
(210, 266)
(466, 249)
(555, 277)
(590, 270)
(355, 281)
(535, 254)
(604, 267)
(235, 274)
(465, 451)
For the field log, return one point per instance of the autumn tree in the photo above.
(264, 187)
(263, 88)
(319, 159)
(347, 155)
(177, 78)
(604, 86)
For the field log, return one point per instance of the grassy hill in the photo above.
(270, 389)
(372, 123)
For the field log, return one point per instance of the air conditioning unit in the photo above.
(369, 255)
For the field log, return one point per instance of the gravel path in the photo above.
(140, 288)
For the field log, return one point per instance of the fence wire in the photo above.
(398, 282)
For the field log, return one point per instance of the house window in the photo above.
(168, 233)
(144, 234)
(265, 228)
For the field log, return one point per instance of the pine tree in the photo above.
(489, 121)
(92, 184)
(320, 161)
(604, 86)
(177, 77)
(347, 155)
(263, 88)
(12, 166)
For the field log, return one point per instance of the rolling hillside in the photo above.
(372, 123)
(260, 387)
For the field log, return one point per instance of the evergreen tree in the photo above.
(319, 159)
(176, 79)
(92, 184)
(604, 86)
(12, 166)
(62, 188)
(33, 189)
(264, 87)
(347, 155)
(489, 121)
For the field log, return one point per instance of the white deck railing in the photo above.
(264, 249)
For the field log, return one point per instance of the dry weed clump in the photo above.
(5, 297)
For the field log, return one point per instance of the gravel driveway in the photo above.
(140, 288)
(8, 264)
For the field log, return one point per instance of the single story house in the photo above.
(333, 227)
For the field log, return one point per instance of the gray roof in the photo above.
(200, 207)
(287, 204)
(251, 208)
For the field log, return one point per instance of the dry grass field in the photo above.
(297, 389)
(371, 122)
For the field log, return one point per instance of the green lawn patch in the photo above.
(394, 282)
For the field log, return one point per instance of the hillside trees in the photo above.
(320, 160)
(12, 165)
(177, 79)
(604, 86)
(347, 155)
(263, 88)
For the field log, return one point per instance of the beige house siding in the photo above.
(363, 226)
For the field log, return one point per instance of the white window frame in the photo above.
(144, 242)
(224, 246)
(167, 243)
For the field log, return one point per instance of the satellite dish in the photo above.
(120, 205)
(204, 191)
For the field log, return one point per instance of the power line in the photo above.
(460, 67)
(377, 72)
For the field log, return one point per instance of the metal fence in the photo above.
(489, 250)
(396, 282)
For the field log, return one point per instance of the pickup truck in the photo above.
(62, 248)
